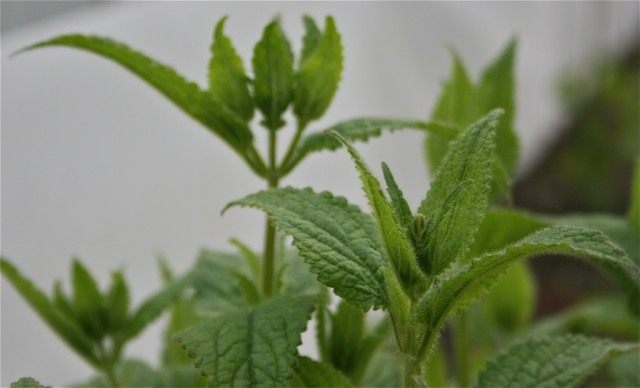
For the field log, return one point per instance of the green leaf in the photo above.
(153, 306)
(362, 129)
(253, 347)
(317, 79)
(117, 302)
(397, 246)
(199, 104)
(454, 105)
(61, 300)
(227, 78)
(511, 302)
(347, 330)
(461, 283)
(562, 361)
(249, 255)
(310, 373)
(297, 278)
(634, 208)
(66, 328)
(401, 208)
(496, 89)
(335, 238)
(273, 75)
(458, 198)
(311, 38)
(88, 303)
(624, 370)
(26, 382)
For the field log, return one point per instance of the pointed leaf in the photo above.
(316, 82)
(227, 78)
(397, 246)
(458, 197)
(400, 206)
(462, 283)
(273, 75)
(562, 361)
(312, 36)
(88, 303)
(254, 347)
(335, 238)
(310, 373)
(117, 302)
(197, 103)
(67, 329)
(250, 256)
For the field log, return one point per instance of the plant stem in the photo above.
(284, 166)
(411, 372)
(270, 232)
(111, 376)
(461, 348)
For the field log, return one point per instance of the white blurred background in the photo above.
(97, 165)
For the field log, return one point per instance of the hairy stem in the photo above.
(412, 374)
(461, 348)
(270, 232)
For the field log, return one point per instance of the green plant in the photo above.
(239, 316)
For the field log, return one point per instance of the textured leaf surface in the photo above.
(400, 205)
(310, 373)
(199, 104)
(26, 382)
(254, 347)
(561, 361)
(460, 284)
(335, 238)
(273, 74)
(227, 78)
(458, 197)
(317, 79)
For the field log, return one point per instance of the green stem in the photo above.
(411, 372)
(461, 348)
(270, 232)
(111, 376)
(284, 166)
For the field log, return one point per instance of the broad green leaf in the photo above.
(461, 283)
(153, 306)
(227, 78)
(624, 370)
(335, 238)
(317, 79)
(26, 382)
(311, 38)
(117, 302)
(401, 208)
(454, 106)
(273, 75)
(562, 361)
(66, 328)
(496, 89)
(310, 373)
(88, 303)
(458, 197)
(253, 347)
(397, 246)
(362, 129)
(199, 104)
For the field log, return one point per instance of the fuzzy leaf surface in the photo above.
(227, 78)
(458, 198)
(26, 382)
(252, 347)
(562, 361)
(273, 75)
(336, 239)
(197, 103)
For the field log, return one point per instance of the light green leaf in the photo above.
(562, 361)
(117, 302)
(496, 89)
(197, 103)
(458, 197)
(250, 256)
(461, 283)
(401, 208)
(317, 79)
(335, 238)
(227, 78)
(88, 303)
(624, 370)
(66, 328)
(273, 75)
(362, 129)
(310, 373)
(26, 382)
(311, 38)
(153, 306)
(397, 246)
(254, 347)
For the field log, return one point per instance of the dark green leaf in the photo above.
(254, 347)
(347, 330)
(117, 302)
(400, 206)
(88, 303)
(273, 75)
(227, 78)
(26, 382)
(624, 370)
(310, 373)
